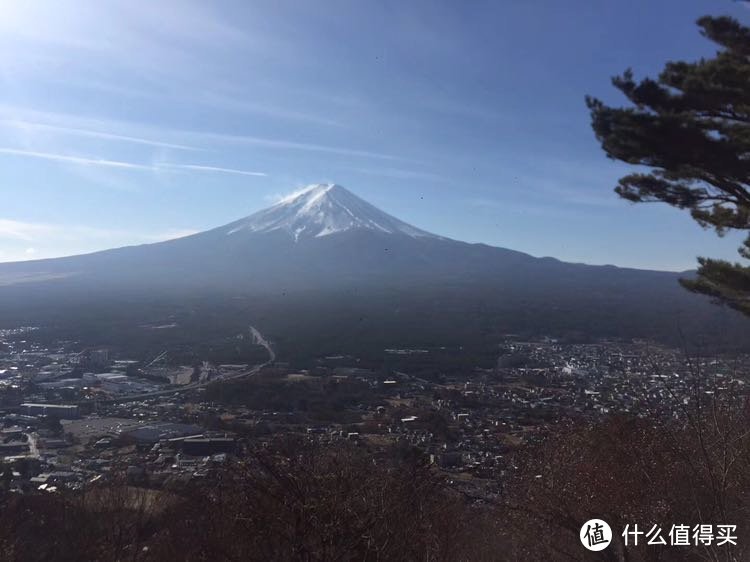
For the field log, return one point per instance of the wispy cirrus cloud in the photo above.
(18, 230)
(238, 105)
(235, 102)
(30, 126)
(402, 174)
(28, 240)
(116, 130)
(74, 159)
(174, 34)
(266, 142)
(28, 231)
(121, 164)
(220, 170)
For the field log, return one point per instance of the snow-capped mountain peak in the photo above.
(322, 210)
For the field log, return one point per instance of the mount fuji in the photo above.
(321, 210)
(321, 237)
(324, 261)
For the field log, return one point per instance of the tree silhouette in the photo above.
(691, 127)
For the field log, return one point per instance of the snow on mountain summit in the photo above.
(321, 210)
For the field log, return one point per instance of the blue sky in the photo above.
(131, 122)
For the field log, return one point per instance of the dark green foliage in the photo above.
(323, 400)
(293, 500)
(691, 127)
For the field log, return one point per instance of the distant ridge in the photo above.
(325, 263)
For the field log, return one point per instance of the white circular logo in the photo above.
(596, 534)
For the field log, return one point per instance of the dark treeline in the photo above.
(295, 499)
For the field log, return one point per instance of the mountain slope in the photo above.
(324, 263)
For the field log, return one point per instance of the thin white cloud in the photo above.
(35, 231)
(34, 126)
(17, 230)
(399, 173)
(23, 240)
(199, 168)
(236, 104)
(174, 35)
(84, 161)
(31, 231)
(286, 144)
(197, 139)
(74, 159)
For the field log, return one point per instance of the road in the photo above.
(33, 447)
(258, 339)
